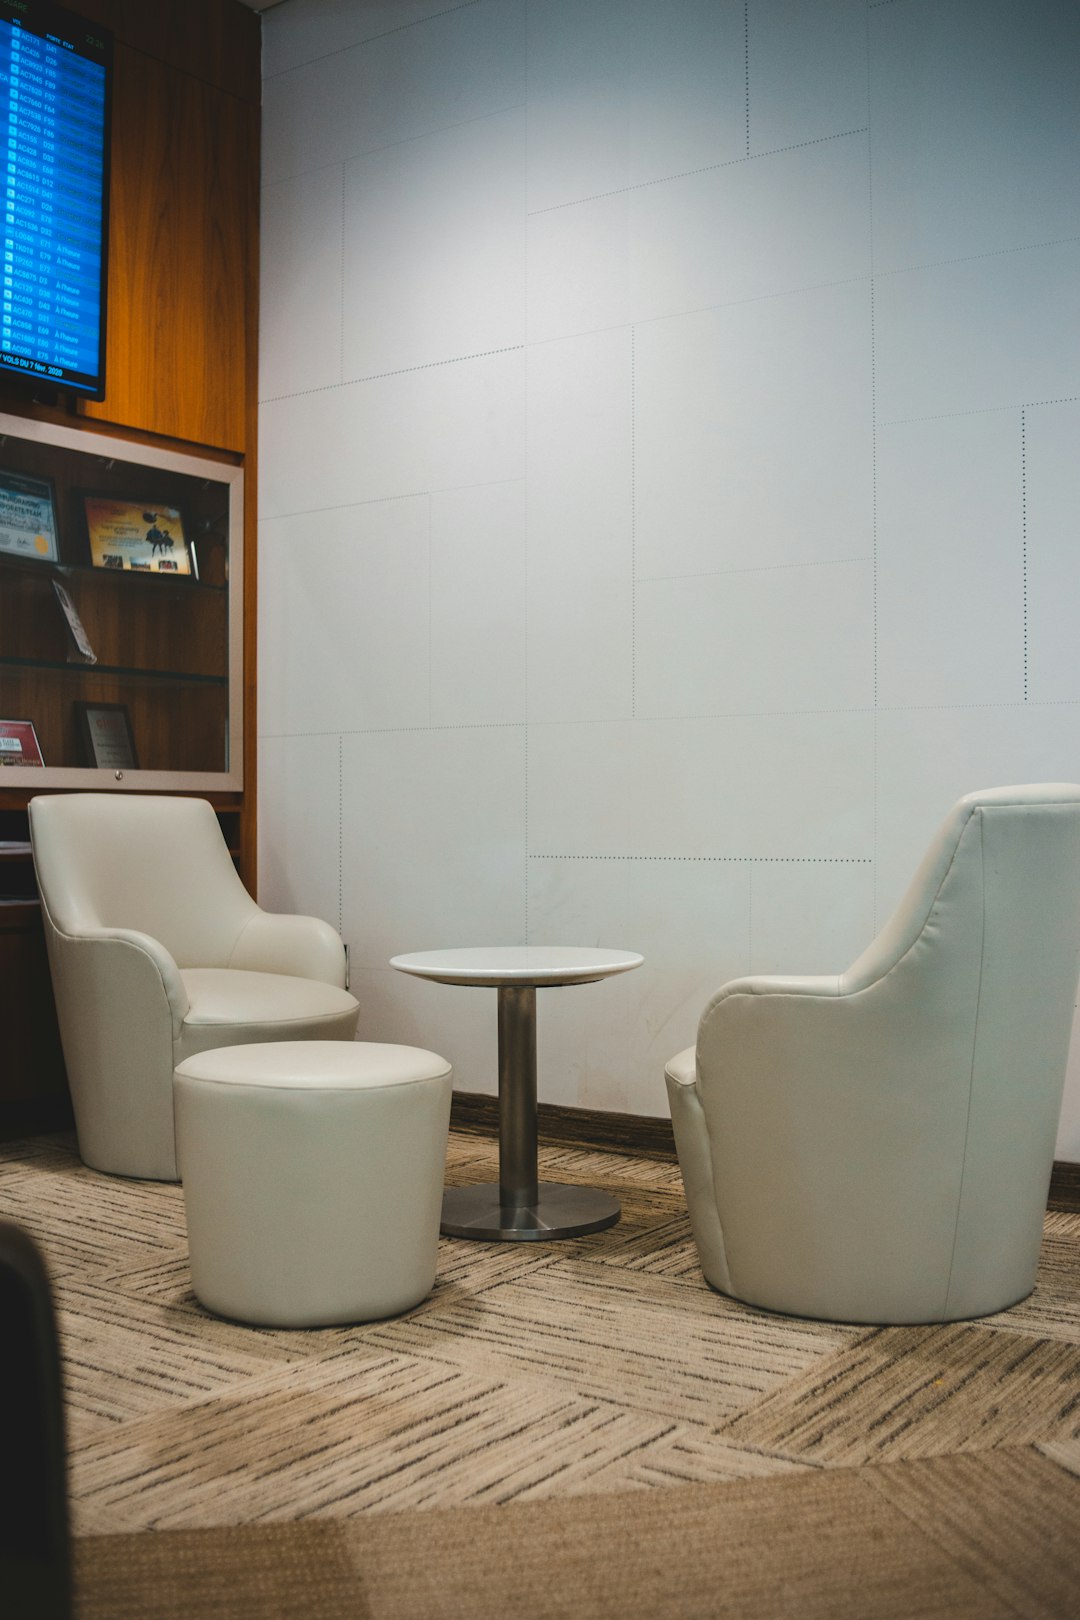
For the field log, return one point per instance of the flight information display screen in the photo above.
(54, 144)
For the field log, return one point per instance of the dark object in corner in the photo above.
(35, 1556)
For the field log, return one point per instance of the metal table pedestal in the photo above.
(518, 1208)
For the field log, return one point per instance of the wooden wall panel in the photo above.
(217, 41)
(182, 255)
(33, 1067)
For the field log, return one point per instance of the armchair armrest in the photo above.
(305, 947)
(99, 956)
(777, 984)
(121, 1004)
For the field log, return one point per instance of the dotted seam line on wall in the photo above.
(757, 568)
(750, 917)
(341, 311)
(633, 521)
(746, 67)
(973, 258)
(982, 410)
(1024, 537)
(724, 860)
(341, 834)
(358, 44)
(526, 798)
(384, 500)
(626, 719)
(402, 371)
(706, 168)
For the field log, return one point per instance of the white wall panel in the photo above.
(788, 103)
(764, 785)
(622, 92)
(976, 136)
(461, 1025)
(300, 287)
(434, 840)
(809, 916)
(299, 826)
(744, 230)
(950, 604)
(346, 603)
(781, 638)
(982, 333)
(753, 434)
(580, 527)
(300, 33)
(650, 548)
(478, 605)
(465, 63)
(929, 758)
(434, 250)
(438, 428)
(1052, 529)
(606, 1044)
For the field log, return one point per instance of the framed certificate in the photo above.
(140, 536)
(19, 744)
(105, 735)
(27, 517)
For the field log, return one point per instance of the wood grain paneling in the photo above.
(33, 1067)
(213, 40)
(181, 255)
(182, 355)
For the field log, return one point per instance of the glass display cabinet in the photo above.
(121, 614)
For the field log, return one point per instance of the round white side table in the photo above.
(518, 1208)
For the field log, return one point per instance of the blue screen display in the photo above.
(54, 82)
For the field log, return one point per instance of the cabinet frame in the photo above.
(101, 779)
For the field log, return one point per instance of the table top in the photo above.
(517, 964)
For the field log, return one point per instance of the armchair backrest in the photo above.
(152, 863)
(977, 969)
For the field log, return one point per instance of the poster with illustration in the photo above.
(142, 536)
(27, 517)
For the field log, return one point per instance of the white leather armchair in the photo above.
(876, 1146)
(158, 952)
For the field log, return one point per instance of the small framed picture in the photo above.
(27, 517)
(19, 744)
(145, 537)
(105, 735)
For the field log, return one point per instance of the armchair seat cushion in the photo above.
(235, 996)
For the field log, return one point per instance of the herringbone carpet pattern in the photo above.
(590, 1373)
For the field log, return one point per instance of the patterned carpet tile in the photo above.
(1006, 1517)
(661, 1246)
(37, 1153)
(641, 1342)
(686, 1454)
(83, 1219)
(123, 1357)
(596, 1167)
(1052, 1311)
(1065, 1453)
(346, 1436)
(305, 1571)
(167, 1283)
(477, 1158)
(939, 1539)
(921, 1391)
(810, 1547)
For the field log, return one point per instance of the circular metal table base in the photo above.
(559, 1212)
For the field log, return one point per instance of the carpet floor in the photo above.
(572, 1429)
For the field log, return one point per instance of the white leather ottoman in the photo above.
(313, 1178)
